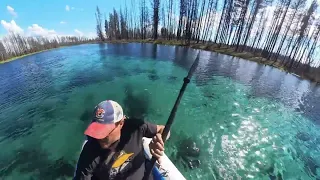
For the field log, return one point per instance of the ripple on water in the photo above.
(254, 148)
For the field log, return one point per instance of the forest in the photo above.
(280, 33)
(16, 45)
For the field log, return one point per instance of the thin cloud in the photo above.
(36, 30)
(11, 11)
(92, 35)
(11, 27)
(75, 9)
(79, 33)
(67, 8)
(63, 22)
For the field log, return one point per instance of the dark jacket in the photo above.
(128, 161)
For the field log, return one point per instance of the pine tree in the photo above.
(99, 26)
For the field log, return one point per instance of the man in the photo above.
(114, 147)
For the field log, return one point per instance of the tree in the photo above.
(209, 19)
(256, 7)
(275, 20)
(123, 25)
(106, 27)
(156, 4)
(116, 24)
(302, 32)
(213, 12)
(295, 6)
(192, 6)
(241, 24)
(181, 15)
(225, 8)
(259, 31)
(278, 28)
(13, 45)
(164, 31)
(143, 19)
(199, 22)
(169, 16)
(99, 26)
(315, 39)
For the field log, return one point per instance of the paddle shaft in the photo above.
(167, 127)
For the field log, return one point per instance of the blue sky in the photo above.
(69, 17)
(60, 17)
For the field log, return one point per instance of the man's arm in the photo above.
(160, 128)
(156, 146)
(150, 130)
(84, 170)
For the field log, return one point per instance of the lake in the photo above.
(251, 121)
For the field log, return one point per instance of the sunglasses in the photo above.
(117, 124)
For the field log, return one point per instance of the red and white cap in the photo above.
(106, 114)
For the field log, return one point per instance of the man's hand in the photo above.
(157, 146)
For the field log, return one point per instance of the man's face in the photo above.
(113, 136)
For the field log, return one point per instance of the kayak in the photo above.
(167, 170)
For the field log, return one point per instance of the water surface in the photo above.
(251, 121)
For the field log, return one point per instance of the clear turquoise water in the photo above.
(250, 121)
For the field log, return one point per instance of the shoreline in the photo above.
(37, 52)
(28, 54)
(227, 50)
(18, 57)
(203, 46)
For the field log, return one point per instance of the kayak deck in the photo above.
(167, 170)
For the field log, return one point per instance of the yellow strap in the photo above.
(121, 159)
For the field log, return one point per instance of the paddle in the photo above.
(166, 130)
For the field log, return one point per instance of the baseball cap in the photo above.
(106, 114)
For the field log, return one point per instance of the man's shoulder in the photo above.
(131, 129)
(133, 123)
(90, 145)
(139, 127)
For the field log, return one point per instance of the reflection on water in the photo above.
(265, 80)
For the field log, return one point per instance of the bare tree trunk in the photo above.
(156, 4)
(255, 12)
(182, 13)
(221, 20)
(241, 26)
(200, 21)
